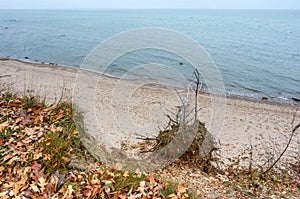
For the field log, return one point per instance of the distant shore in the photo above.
(246, 123)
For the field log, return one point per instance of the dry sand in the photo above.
(267, 126)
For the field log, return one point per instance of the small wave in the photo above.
(251, 89)
(283, 98)
(240, 94)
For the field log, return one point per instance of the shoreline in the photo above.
(291, 102)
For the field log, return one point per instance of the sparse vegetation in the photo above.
(189, 129)
(41, 156)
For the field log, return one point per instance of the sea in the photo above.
(256, 51)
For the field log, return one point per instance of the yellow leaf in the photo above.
(47, 157)
(18, 120)
(172, 196)
(126, 174)
(19, 144)
(181, 189)
(110, 173)
(37, 156)
(3, 125)
(75, 132)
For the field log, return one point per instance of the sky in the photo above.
(194, 4)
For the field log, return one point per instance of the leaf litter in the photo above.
(41, 156)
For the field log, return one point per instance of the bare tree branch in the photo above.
(288, 144)
(198, 88)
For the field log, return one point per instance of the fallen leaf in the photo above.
(42, 183)
(18, 186)
(172, 196)
(181, 189)
(69, 192)
(75, 132)
(47, 156)
(2, 168)
(37, 156)
(4, 193)
(34, 188)
(126, 174)
(3, 125)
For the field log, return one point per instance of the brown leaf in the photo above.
(151, 180)
(18, 186)
(37, 172)
(25, 117)
(56, 181)
(1, 168)
(122, 197)
(88, 191)
(96, 189)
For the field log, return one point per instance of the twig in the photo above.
(198, 88)
(288, 144)
(62, 93)
(170, 111)
(146, 139)
(251, 156)
(5, 76)
(171, 120)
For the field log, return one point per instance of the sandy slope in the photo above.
(114, 119)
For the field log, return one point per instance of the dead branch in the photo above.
(181, 115)
(198, 88)
(287, 146)
(1, 76)
(146, 139)
(171, 120)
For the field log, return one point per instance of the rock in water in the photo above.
(264, 98)
(296, 99)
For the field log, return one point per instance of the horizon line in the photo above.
(150, 9)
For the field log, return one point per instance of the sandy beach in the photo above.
(124, 109)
